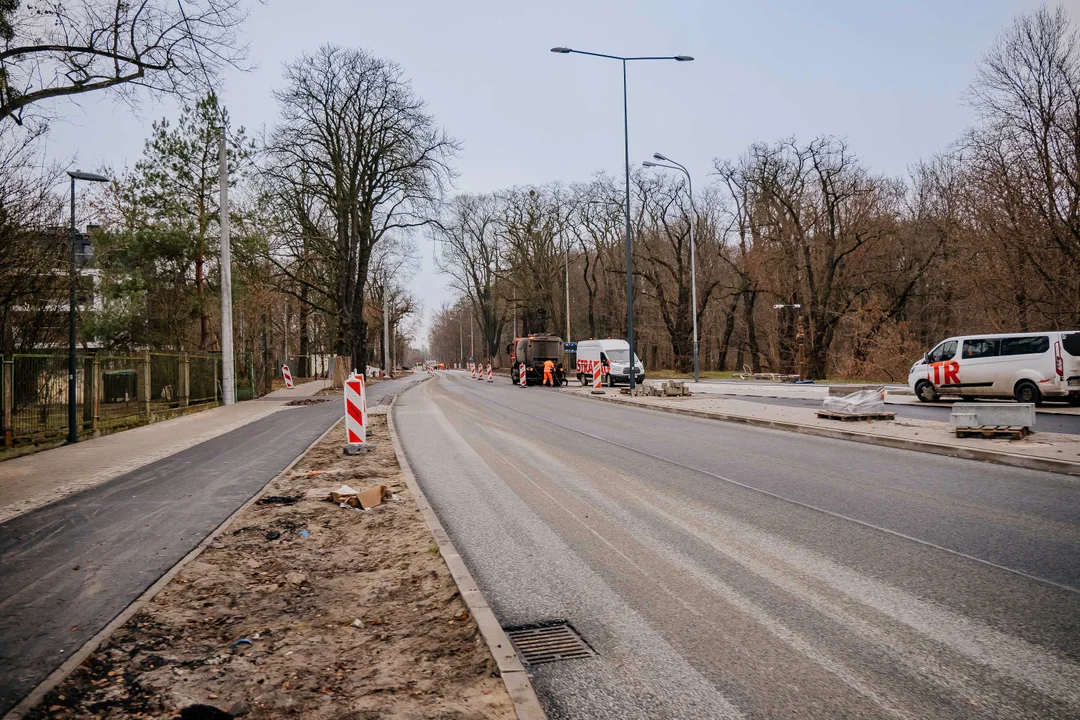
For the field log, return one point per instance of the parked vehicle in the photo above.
(1030, 367)
(533, 351)
(613, 355)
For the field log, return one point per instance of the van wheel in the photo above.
(1027, 392)
(1074, 400)
(967, 398)
(582, 380)
(924, 390)
(610, 380)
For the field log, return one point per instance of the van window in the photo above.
(944, 351)
(1025, 345)
(1071, 343)
(981, 347)
(622, 356)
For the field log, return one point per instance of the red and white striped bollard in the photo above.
(355, 416)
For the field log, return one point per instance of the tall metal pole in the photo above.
(693, 272)
(461, 342)
(73, 430)
(386, 323)
(566, 260)
(693, 250)
(626, 148)
(228, 381)
(629, 246)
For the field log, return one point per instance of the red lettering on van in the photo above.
(952, 373)
(950, 369)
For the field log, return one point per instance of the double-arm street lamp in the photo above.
(693, 254)
(626, 159)
(73, 427)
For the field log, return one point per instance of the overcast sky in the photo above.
(888, 76)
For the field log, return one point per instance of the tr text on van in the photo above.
(1030, 367)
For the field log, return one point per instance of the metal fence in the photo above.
(111, 391)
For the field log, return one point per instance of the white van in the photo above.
(1030, 367)
(614, 355)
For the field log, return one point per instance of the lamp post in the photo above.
(626, 160)
(460, 340)
(73, 429)
(693, 254)
(228, 374)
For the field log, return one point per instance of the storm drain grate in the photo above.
(551, 642)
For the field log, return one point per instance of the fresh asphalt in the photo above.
(69, 568)
(720, 570)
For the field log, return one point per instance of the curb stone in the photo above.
(514, 675)
(77, 658)
(1027, 462)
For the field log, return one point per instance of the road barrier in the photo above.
(355, 415)
(522, 381)
(491, 378)
(287, 376)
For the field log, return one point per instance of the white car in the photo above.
(613, 355)
(1030, 367)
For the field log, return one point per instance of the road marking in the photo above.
(799, 503)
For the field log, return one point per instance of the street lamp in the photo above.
(693, 260)
(73, 430)
(626, 159)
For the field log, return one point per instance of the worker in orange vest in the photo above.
(549, 373)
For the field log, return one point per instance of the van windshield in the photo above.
(622, 356)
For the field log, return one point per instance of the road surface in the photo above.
(720, 570)
(69, 568)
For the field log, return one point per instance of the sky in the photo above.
(890, 77)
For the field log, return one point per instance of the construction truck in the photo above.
(533, 351)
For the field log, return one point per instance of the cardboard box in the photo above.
(374, 496)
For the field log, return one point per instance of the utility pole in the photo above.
(228, 382)
(566, 261)
(386, 323)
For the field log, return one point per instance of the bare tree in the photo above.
(358, 143)
(468, 234)
(1024, 159)
(61, 49)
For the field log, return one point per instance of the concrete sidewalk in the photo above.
(31, 481)
(894, 394)
(1052, 452)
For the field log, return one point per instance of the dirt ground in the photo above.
(302, 608)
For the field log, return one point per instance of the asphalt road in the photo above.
(728, 571)
(1044, 421)
(69, 568)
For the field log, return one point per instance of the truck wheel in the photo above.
(924, 390)
(514, 375)
(1027, 392)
